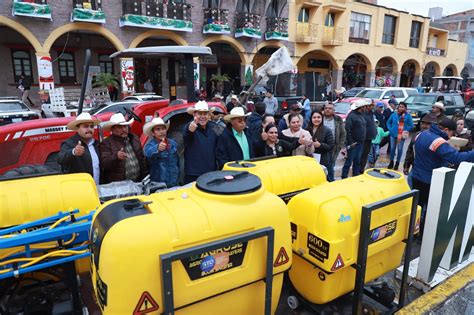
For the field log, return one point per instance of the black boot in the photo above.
(396, 166)
(390, 165)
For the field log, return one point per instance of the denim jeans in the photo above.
(353, 158)
(330, 169)
(394, 146)
(374, 153)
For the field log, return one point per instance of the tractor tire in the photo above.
(29, 170)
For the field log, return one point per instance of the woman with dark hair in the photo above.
(323, 140)
(302, 136)
(275, 146)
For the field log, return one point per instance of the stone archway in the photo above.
(355, 70)
(431, 70)
(450, 70)
(410, 74)
(386, 72)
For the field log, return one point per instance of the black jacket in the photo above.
(283, 148)
(327, 144)
(199, 149)
(228, 149)
(381, 119)
(370, 128)
(76, 164)
(355, 128)
(386, 115)
(254, 125)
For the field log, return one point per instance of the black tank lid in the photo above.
(241, 164)
(228, 182)
(383, 173)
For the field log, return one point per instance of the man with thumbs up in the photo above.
(80, 153)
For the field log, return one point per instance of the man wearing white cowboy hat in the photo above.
(80, 153)
(235, 142)
(121, 153)
(355, 137)
(200, 139)
(438, 110)
(161, 153)
(234, 102)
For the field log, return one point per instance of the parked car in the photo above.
(342, 108)
(143, 97)
(352, 92)
(384, 93)
(420, 105)
(14, 110)
(113, 107)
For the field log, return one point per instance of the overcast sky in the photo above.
(421, 6)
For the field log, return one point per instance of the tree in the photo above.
(107, 80)
(220, 79)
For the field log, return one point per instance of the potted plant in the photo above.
(220, 79)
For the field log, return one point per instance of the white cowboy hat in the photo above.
(235, 113)
(148, 127)
(359, 103)
(217, 95)
(83, 118)
(116, 119)
(200, 106)
(439, 105)
(234, 97)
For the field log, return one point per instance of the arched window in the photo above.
(21, 63)
(67, 71)
(304, 15)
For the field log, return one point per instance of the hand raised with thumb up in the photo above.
(193, 125)
(78, 149)
(121, 155)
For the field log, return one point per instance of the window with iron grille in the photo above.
(389, 24)
(22, 64)
(359, 31)
(67, 71)
(106, 64)
(415, 34)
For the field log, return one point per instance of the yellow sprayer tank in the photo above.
(132, 236)
(24, 200)
(325, 223)
(284, 176)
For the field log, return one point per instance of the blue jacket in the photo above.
(432, 151)
(164, 165)
(228, 149)
(392, 123)
(200, 149)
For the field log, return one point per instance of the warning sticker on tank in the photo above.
(318, 248)
(215, 261)
(382, 231)
(294, 231)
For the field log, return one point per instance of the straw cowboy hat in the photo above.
(360, 103)
(148, 127)
(236, 112)
(200, 106)
(116, 119)
(83, 118)
(439, 105)
(234, 97)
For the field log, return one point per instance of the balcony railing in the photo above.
(153, 14)
(36, 8)
(332, 36)
(432, 51)
(216, 21)
(277, 28)
(306, 32)
(248, 25)
(88, 11)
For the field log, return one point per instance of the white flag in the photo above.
(279, 62)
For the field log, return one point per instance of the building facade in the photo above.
(333, 43)
(461, 28)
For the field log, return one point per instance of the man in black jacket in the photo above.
(80, 153)
(254, 124)
(355, 137)
(235, 142)
(370, 134)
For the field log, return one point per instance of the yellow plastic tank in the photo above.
(130, 235)
(284, 176)
(325, 223)
(28, 199)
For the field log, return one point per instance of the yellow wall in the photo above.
(375, 50)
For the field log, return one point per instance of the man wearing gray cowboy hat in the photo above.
(80, 153)
(235, 142)
(121, 153)
(200, 139)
